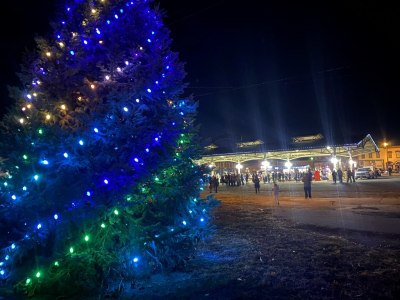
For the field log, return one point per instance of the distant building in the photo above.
(387, 156)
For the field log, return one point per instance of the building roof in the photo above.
(341, 146)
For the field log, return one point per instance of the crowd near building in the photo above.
(277, 162)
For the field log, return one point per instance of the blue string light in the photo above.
(108, 22)
(147, 150)
(85, 42)
(137, 100)
(56, 217)
(136, 160)
(125, 109)
(81, 142)
(96, 130)
(88, 193)
(72, 52)
(105, 181)
(13, 197)
(66, 155)
(24, 188)
(149, 90)
(116, 16)
(39, 226)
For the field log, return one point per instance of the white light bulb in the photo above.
(137, 100)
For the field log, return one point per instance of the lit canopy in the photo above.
(298, 148)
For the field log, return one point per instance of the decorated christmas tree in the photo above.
(99, 154)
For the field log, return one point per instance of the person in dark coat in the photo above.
(307, 185)
(352, 175)
(340, 175)
(349, 175)
(247, 178)
(257, 184)
(334, 175)
(214, 184)
(390, 170)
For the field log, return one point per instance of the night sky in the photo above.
(265, 69)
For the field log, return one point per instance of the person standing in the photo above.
(334, 175)
(275, 189)
(340, 175)
(390, 170)
(352, 175)
(210, 186)
(348, 175)
(247, 178)
(307, 185)
(242, 178)
(215, 183)
(268, 177)
(257, 184)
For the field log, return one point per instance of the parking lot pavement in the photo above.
(366, 205)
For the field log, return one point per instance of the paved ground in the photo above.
(366, 205)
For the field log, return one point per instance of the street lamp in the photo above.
(387, 157)
(265, 164)
(288, 164)
(239, 166)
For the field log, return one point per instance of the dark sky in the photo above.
(266, 69)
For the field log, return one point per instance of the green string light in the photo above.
(102, 225)
(86, 238)
(38, 274)
(40, 131)
(28, 281)
(71, 250)
(56, 263)
(116, 212)
(25, 157)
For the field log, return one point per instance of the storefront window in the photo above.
(378, 155)
(397, 154)
(389, 154)
(363, 156)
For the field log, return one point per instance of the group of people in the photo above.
(236, 179)
(338, 175)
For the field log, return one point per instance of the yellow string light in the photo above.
(34, 94)
(28, 106)
(48, 117)
(92, 86)
(100, 42)
(62, 106)
(93, 11)
(79, 98)
(48, 53)
(141, 48)
(62, 44)
(21, 121)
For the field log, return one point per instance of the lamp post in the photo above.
(387, 157)
(239, 166)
